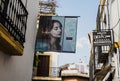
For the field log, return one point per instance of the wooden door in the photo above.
(43, 66)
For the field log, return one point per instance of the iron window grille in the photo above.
(13, 16)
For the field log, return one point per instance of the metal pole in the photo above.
(108, 15)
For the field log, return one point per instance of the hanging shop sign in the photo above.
(102, 37)
(57, 34)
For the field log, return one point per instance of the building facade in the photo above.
(45, 66)
(16, 59)
(75, 72)
(105, 43)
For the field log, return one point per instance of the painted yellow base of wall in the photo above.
(8, 44)
(38, 78)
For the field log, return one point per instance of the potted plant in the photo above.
(36, 61)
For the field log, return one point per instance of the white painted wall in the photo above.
(19, 68)
(115, 24)
(55, 57)
(114, 18)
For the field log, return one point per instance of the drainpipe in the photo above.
(26, 3)
(108, 15)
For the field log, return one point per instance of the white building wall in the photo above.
(115, 25)
(78, 68)
(19, 68)
(55, 57)
(114, 18)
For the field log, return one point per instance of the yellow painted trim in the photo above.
(117, 44)
(47, 78)
(40, 14)
(13, 47)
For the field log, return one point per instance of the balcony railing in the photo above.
(13, 16)
(54, 72)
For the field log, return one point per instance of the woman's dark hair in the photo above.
(52, 23)
(57, 43)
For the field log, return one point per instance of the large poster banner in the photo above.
(57, 34)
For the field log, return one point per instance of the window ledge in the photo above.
(46, 78)
(8, 44)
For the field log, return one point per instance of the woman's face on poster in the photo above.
(56, 30)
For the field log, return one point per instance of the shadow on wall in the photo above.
(5, 59)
